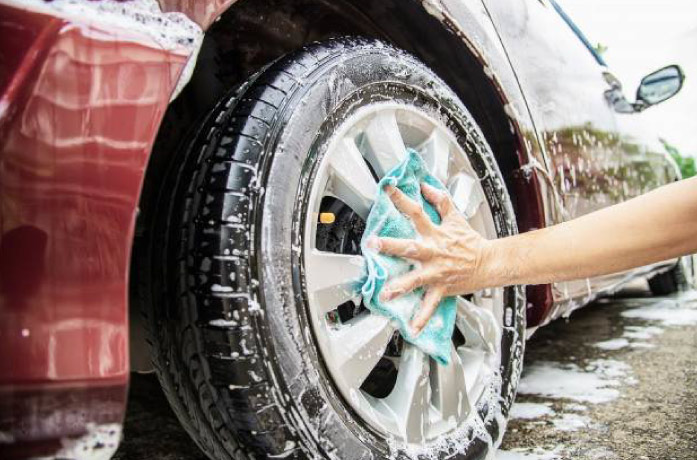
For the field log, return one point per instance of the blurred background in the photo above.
(639, 36)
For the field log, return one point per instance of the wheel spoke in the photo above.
(332, 279)
(467, 194)
(352, 182)
(449, 389)
(472, 361)
(359, 344)
(478, 325)
(409, 400)
(478, 224)
(482, 333)
(436, 153)
(484, 299)
(386, 143)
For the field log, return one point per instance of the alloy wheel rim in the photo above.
(426, 400)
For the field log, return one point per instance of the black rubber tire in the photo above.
(223, 289)
(669, 282)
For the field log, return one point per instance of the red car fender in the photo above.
(81, 99)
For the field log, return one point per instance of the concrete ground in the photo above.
(618, 380)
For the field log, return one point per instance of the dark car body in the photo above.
(95, 94)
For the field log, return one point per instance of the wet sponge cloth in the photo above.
(385, 220)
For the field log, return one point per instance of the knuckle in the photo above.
(389, 244)
(429, 301)
(395, 291)
(433, 304)
(422, 220)
(428, 250)
(390, 292)
(382, 245)
(411, 250)
(414, 282)
(412, 208)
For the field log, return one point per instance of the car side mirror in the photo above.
(659, 86)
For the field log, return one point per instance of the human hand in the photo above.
(450, 254)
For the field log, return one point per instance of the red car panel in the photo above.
(79, 109)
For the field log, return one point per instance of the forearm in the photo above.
(653, 227)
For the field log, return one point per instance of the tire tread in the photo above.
(225, 400)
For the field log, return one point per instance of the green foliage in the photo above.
(687, 165)
(600, 48)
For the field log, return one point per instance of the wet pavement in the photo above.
(152, 430)
(618, 380)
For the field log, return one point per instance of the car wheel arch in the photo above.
(407, 25)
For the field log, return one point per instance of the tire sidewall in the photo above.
(336, 88)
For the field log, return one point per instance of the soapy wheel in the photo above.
(391, 384)
(340, 231)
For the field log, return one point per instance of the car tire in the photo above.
(224, 289)
(674, 280)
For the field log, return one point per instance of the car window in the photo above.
(578, 32)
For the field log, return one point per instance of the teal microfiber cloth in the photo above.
(385, 220)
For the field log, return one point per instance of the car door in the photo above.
(646, 164)
(646, 161)
(567, 87)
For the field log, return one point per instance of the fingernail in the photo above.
(386, 294)
(373, 242)
(389, 189)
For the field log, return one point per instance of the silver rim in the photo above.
(427, 400)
